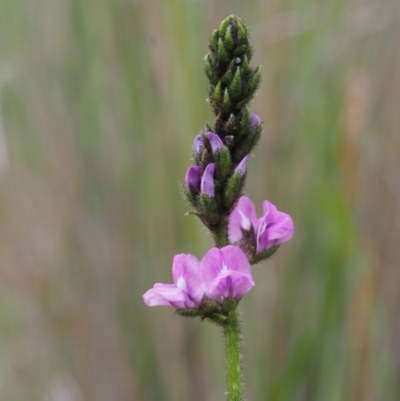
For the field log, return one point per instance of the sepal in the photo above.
(222, 54)
(214, 40)
(257, 258)
(210, 310)
(188, 195)
(227, 105)
(239, 50)
(224, 25)
(241, 30)
(235, 88)
(233, 189)
(243, 102)
(229, 305)
(244, 122)
(208, 210)
(247, 143)
(245, 63)
(218, 92)
(209, 70)
(255, 81)
(195, 312)
(223, 165)
(228, 38)
(227, 78)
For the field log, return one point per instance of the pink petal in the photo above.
(243, 217)
(241, 167)
(218, 263)
(274, 228)
(211, 266)
(235, 259)
(207, 181)
(270, 210)
(198, 143)
(153, 298)
(281, 231)
(167, 294)
(186, 274)
(193, 177)
(230, 285)
(254, 121)
(215, 142)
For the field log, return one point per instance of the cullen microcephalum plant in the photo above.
(212, 287)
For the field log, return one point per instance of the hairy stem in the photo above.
(233, 356)
(221, 233)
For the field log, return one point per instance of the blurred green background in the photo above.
(99, 104)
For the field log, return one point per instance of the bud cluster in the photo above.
(232, 84)
(215, 183)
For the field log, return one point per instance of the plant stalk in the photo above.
(233, 356)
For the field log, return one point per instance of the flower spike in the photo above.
(212, 287)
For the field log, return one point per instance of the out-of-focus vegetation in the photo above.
(99, 104)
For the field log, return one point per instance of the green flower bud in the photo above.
(218, 92)
(241, 31)
(228, 38)
(224, 25)
(235, 88)
(214, 40)
(223, 165)
(238, 51)
(222, 54)
(209, 70)
(244, 122)
(233, 190)
(255, 81)
(227, 105)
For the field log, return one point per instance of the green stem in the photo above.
(233, 356)
(221, 233)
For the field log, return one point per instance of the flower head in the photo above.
(272, 229)
(226, 273)
(221, 274)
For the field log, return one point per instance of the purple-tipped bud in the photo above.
(254, 121)
(215, 142)
(241, 167)
(193, 178)
(207, 181)
(198, 144)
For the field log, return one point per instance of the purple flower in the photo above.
(226, 273)
(193, 178)
(273, 228)
(187, 290)
(241, 167)
(215, 142)
(221, 274)
(254, 121)
(207, 181)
